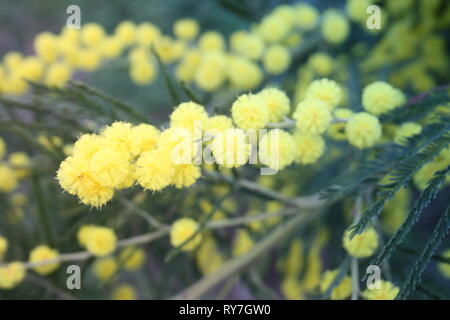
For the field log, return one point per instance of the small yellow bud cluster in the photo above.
(100, 241)
(42, 253)
(129, 259)
(124, 292)
(206, 59)
(362, 245)
(382, 290)
(11, 275)
(184, 234)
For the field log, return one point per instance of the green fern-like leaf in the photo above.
(400, 177)
(420, 204)
(438, 235)
(387, 159)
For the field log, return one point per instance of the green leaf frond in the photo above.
(438, 235)
(400, 177)
(424, 199)
(387, 159)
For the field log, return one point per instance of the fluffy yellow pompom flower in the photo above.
(406, 131)
(123, 292)
(335, 27)
(187, 68)
(88, 59)
(142, 72)
(386, 291)
(57, 75)
(8, 179)
(46, 47)
(31, 69)
(312, 116)
(126, 32)
(168, 49)
(118, 136)
(242, 243)
(211, 41)
(92, 34)
(307, 16)
(276, 59)
(341, 291)
(87, 145)
(211, 72)
(179, 144)
(105, 268)
(144, 137)
(188, 115)
(250, 112)
(3, 247)
(362, 245)
(321, 63)
(68, 50)
(154, 170)
(356, 9)
(111, 47)
(230, 148)
(243, 73)
(100, 241)
(380, 97)
(41, 253)
(325, 90)
(83, 234)
(11, 275)
(182, 230)
(74, 177)
(363, 130)
(216, 124)
(444, 268)
(309, 148)
(247, 44)
(147, 34)
(13, 85)
(273, 28)
(186, 29)
(109, 167)
(185, 175)
(276, 149)
(132, 258)
(277, 102)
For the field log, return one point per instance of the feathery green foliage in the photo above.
(438, 235)
(413, 216)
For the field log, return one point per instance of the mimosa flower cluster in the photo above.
(206, 59)
(123, 155)
(293, 91)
